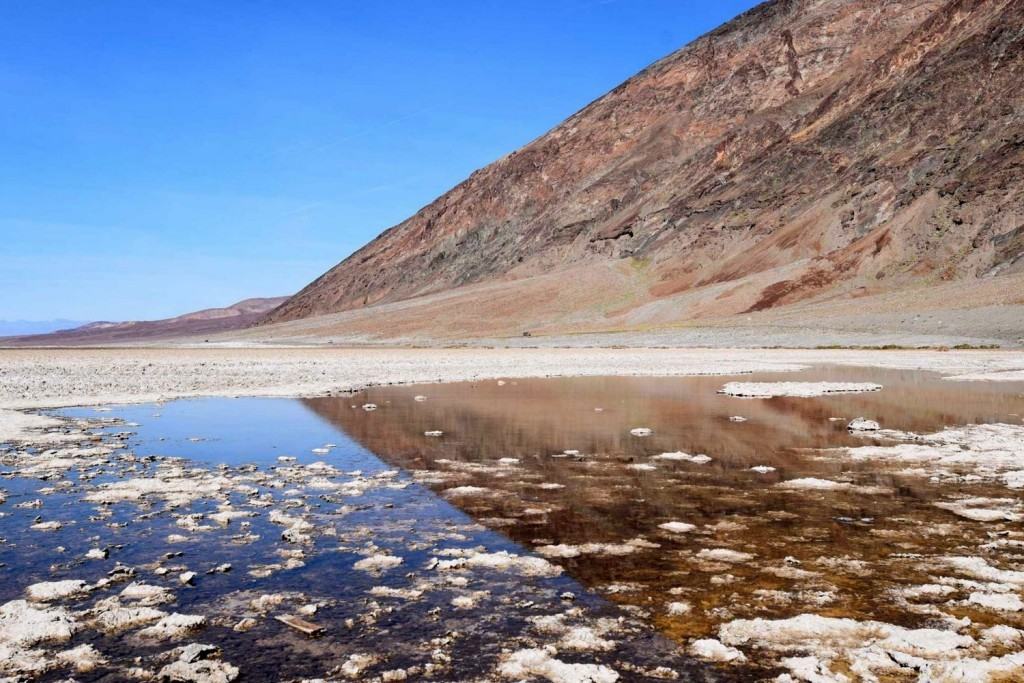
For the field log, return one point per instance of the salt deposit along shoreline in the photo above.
(954, 650)
(145, 569)
(52, 378)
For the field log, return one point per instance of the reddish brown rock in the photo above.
(807, 149)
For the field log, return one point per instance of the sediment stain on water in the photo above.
(533, 490)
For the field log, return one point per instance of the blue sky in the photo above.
(156, 158)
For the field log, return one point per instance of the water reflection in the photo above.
(255, 488)
(552, 464)
(675, 527)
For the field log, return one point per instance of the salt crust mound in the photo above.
(795, 389)
(15, 426)
(538, 662)
(23, 626)
(995, 446)
(867, 649)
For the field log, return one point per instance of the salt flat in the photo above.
(44, 378)
(768, 518)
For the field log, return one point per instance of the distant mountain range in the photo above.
(206, 321)
(13, 327)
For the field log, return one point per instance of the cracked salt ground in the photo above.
(209, 568)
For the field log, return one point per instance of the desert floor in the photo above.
(46, 378)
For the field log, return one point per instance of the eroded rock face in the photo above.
(805, 147)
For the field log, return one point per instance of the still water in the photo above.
(609, 493)
(641, 543)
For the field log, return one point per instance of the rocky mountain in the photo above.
(806, 151)
(206, 321)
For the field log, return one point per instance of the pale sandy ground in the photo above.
(598, 308)
(42, 378)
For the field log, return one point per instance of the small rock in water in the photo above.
(675, 609)
(187, 578)
(862, 424)
(197, 662)
(246, 624)
(641, 431)
(419, 398)
(145, 594)
(997, 601)
(795, 389)
(433, 432)
(699, 459)
(307, 627)
(196, 652)
(369, 406)
(737, 418)
(724, 555)
(83, 658)
(541, 663)
(173, 626)
(377, 563)
(357, 663)
(762, 469)
(55, 590)
(715, 651)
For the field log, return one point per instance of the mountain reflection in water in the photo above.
(508, 457)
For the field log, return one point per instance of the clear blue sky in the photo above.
(159, 157)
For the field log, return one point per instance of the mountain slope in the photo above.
(206, 321)
(809, 149)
